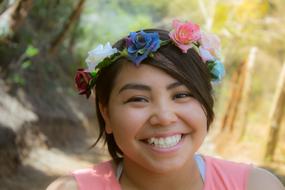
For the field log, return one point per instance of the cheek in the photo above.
(127, 122)
(195, 116)
(196, 119)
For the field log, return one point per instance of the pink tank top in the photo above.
(219, 175)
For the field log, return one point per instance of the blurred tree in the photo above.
(12, 18)
(109, 20)
(276, 115)
(70, 20)
(237, 83)
(248, 24)
(250, 62)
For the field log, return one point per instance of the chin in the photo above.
(164, 166)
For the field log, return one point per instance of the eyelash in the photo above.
(143, 99)
(136, 99)
(182, 95)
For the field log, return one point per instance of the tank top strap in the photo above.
(201, 166)
(119, 170)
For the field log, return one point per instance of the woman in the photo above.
(154, 107)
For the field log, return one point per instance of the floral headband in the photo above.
(141, 45)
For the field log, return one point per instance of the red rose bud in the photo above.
(82, 79)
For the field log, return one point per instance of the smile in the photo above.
(165, 142)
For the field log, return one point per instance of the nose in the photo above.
(163, 115)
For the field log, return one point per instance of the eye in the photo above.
(136, 99)
(182, 95)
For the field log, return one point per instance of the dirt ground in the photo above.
(45, 165)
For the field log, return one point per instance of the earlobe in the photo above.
(105, 115)
(108, 129)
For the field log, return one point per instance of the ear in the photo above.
(105, 115)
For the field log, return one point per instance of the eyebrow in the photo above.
(135, 86)
(174, 85)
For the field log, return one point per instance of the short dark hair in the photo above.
(188, 68)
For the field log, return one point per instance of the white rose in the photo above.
(206, 55)
(211, 43)
(96, 55)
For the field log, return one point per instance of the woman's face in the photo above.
(155, 121)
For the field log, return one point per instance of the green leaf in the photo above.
(26, 64)
(93, 74)
(31, 51)
(18, 79)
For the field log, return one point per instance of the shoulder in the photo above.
(261, 179)
(63, 183)
(224, 170)
(227, 165)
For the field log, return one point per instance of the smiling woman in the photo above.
(158, 125)
(154, 106)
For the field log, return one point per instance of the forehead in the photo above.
(144, 74)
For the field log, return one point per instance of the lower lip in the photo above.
(167, 150)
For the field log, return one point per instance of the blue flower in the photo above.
(141, 44)
(218, 71)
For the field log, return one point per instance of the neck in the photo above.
(137, 177)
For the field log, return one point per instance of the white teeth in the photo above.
(164, 142)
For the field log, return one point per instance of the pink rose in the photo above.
(184, 34)
(211, 43)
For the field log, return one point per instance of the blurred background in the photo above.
(46, 129)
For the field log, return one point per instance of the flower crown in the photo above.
(141, 45)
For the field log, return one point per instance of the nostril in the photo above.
(163, 118)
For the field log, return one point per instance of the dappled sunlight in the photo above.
(48, 131)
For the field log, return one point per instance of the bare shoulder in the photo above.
(261, 179)
(63, 183)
